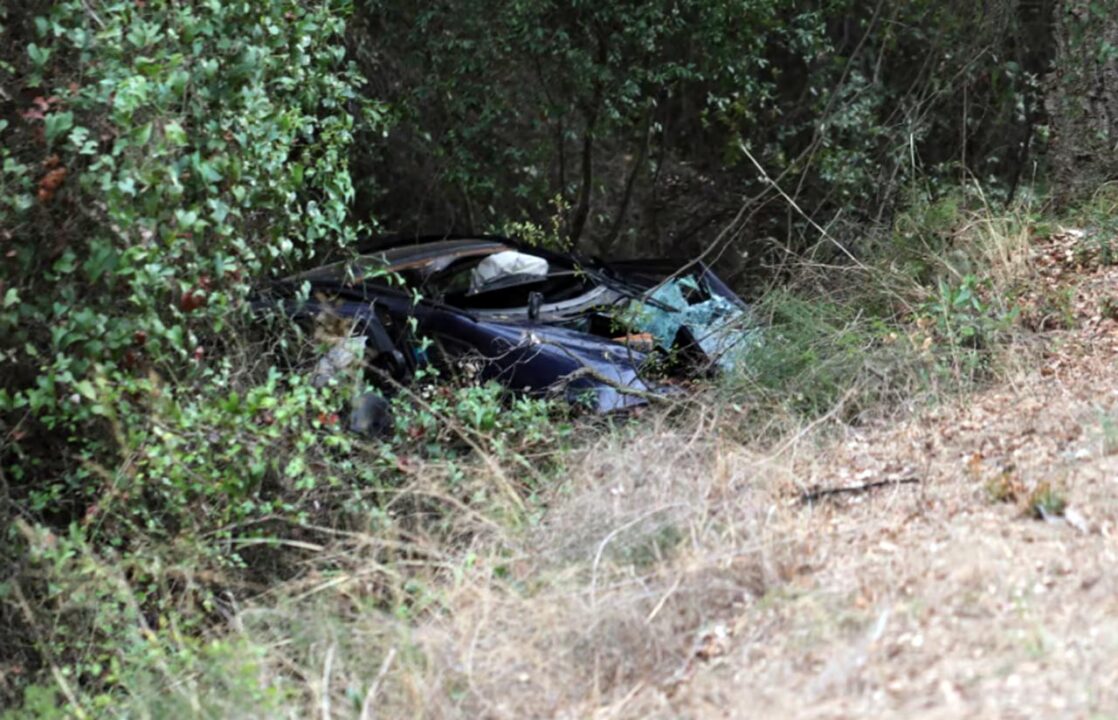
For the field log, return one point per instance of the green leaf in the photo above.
(174, 133)
(56, 124)
(85, 389)
(38, 55)
(79, 138)
(296, 467)
(65, 264)
(143, 134)
(186, 218)
(11, 297)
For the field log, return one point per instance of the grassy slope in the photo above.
(671, 569)
(937, 600)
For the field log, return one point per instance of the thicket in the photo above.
(159, 159)
(640, 125)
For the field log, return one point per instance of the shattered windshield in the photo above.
(718, 325)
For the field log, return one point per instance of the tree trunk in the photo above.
(1083, 97)
(591, 113)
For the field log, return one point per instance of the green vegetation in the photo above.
(870, 175)
(166, 157)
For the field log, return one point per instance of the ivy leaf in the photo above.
(174, 133)
(295, 467)
(85, 389)
(142, 134)
(65, 264)
(56, 124)
(38, 55)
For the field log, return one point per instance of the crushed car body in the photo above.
(607, 335)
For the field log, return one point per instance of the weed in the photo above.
(1107, 255)
(1053, 310)
(1108, 307)
(550, 237)
(967, 326)
(815, 356)
(922, 233)
(959, 313)
(1005, 487)
(444, 421)
(1046, 500)
(1042, 500)
(651, 549)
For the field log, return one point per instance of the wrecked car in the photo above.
(608, 335)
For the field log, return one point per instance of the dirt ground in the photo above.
(948, 595)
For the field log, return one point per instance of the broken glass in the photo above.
(719, 326)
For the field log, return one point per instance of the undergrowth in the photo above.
(187, 528)
(926, 315)
(408, 576)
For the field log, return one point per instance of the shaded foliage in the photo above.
(156, 159)
(1083, 97)
(632, 122)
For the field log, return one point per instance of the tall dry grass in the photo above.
(634, 574)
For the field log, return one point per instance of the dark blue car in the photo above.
(539, 322)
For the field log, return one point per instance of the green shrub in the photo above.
(440, 422)
(163, 158)
(927, 310)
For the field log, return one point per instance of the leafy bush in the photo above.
(162, 158)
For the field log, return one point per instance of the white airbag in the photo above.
(507, 264)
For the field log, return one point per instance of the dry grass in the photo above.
(650, 551)
(678, 575)
(676, 572)
(939, 602)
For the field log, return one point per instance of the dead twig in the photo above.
(327, 667)
(809, 496)
(819, 228)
